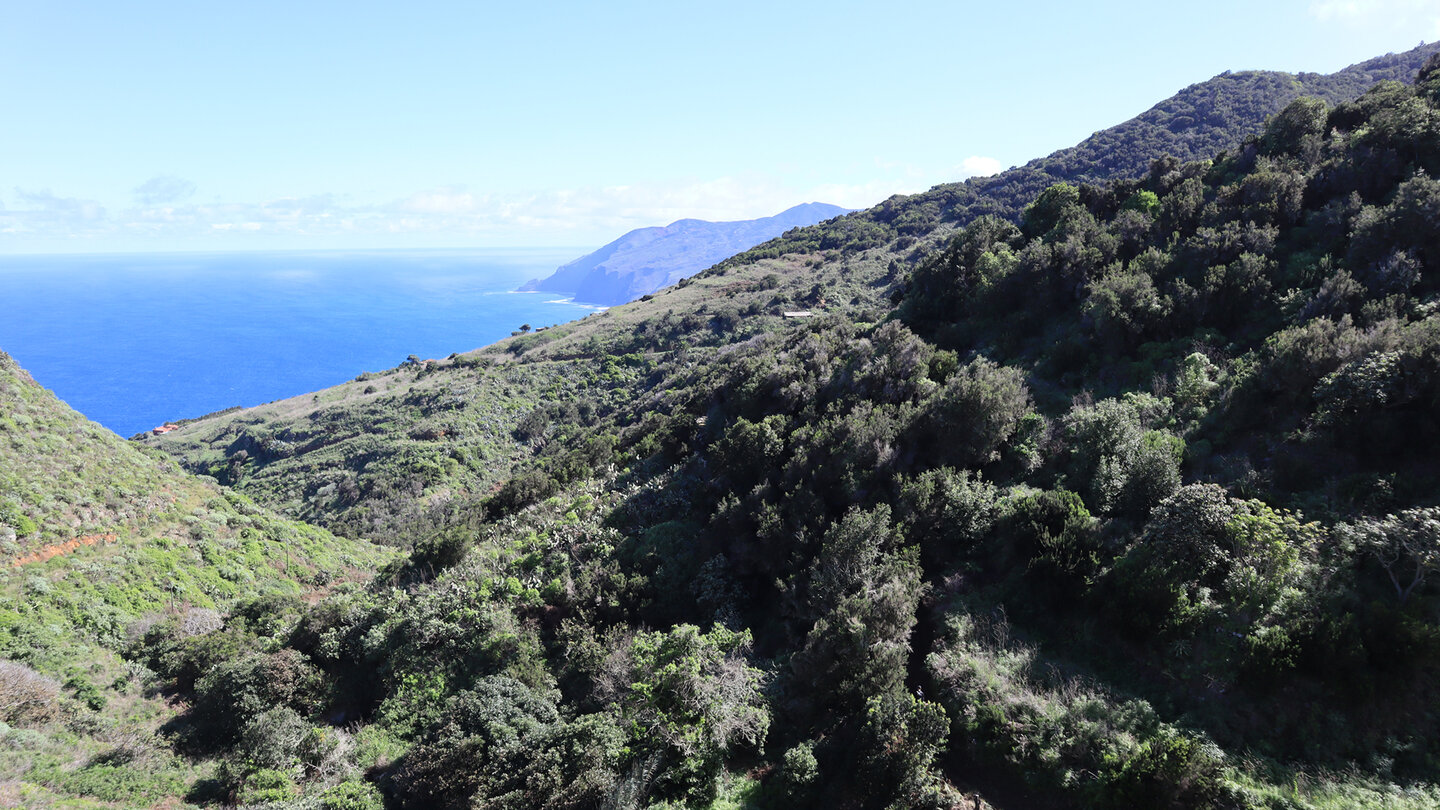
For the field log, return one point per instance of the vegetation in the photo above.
(1194, 124)
(379, 458)
(103, 540)
(1119, 497)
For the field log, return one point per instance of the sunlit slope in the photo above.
(853, 265)
(97, 532)
(380, 456)
(101, 540)
(1126, 503)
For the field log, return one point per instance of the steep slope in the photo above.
(646, 259)
(101, 540)
(1195, 124)
(851, 267)
(384, 456)
(1130, 504)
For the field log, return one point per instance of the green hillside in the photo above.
(105, 542)
(1120, 498)
(383, 457)
(1194, 124)
(372, 465)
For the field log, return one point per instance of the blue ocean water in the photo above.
(135, 340)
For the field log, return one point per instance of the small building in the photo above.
(804, 313)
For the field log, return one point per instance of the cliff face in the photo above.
(647, 259)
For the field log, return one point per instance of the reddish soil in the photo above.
(58, 549)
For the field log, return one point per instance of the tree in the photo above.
(974, 414)
(863, 594)
(1406, 545)
(691, 698)
(947, 513)
(1053, 534)
(1189, 531)
(1427, 81)
(1049, 208)
(236, 691)
(479, 746)
(1122, 306)
(1122, 466)
(1195, 383)
(1286, 133)
(902, 737)
(1144, 201)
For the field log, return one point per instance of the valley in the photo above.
(1101, 482)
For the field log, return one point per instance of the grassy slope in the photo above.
(172, 545)
(372, 457)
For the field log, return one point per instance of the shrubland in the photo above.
(1115, 494)
(103, 541)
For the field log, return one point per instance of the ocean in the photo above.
(136, 340)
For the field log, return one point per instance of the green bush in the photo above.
(1054, 536)
(352, 796)
(974, 414)
(478, 746)
(1125, 468)
(134, 784)
(272, 740)
(799, 774)
(268, 785)
(947, 513)
(1168, 772)
(692, 699)
(85, 691)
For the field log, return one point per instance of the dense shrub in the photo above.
(1127, 469)
(947, 513)
(864, 591)
(235, 692)
(476, 748)
(976, 412)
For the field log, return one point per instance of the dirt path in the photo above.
(59, 549)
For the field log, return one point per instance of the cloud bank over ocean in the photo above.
(168, 210)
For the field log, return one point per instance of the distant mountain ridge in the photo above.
(647, 259)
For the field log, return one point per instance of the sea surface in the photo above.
(136, 340)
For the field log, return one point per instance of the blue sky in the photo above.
(202, 126)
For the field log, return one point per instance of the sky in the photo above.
(164, 126)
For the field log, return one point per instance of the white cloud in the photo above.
(163, 188)
(445, 200)
(42, 212)
(444, 215)
(46, 204)
(594, 212)
(980, 166)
